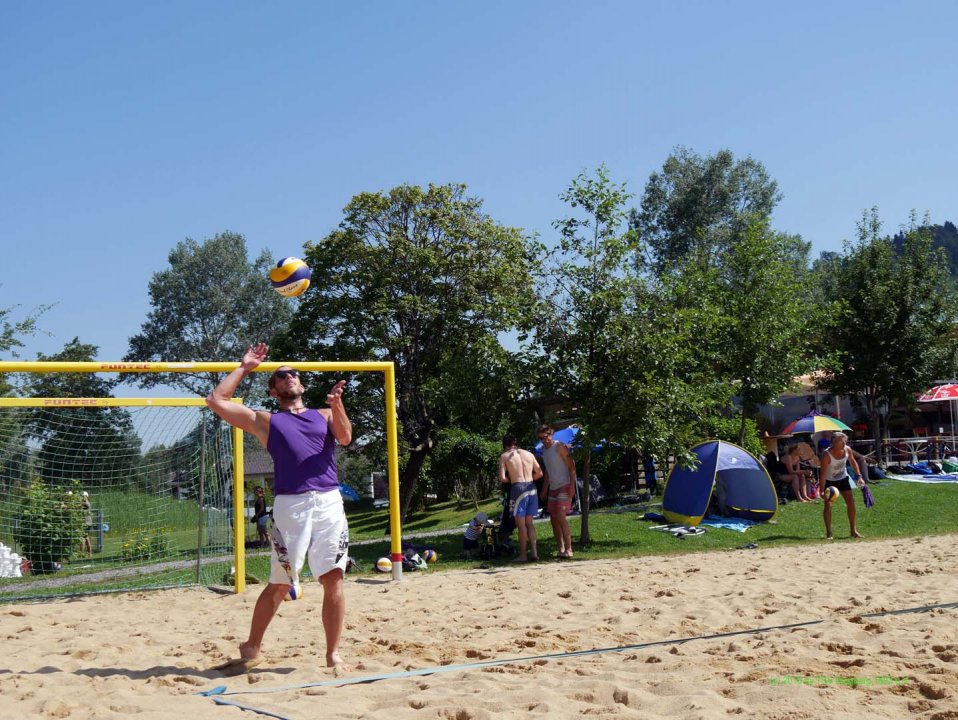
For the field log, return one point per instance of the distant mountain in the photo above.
(945, 236)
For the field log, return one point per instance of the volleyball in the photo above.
(430, 555)
(290, 277)
(383, 565)
(831, 494)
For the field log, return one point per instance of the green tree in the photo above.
(210, 304)
(425, 279)
(896, 306)
(769, 325)
(591, 271)
(701, 202)
(12, 331)
(86, 444)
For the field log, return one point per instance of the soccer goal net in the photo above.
(107, 494)
(110, 493)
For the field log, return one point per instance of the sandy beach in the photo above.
(148, 654)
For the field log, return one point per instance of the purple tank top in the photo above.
(304, 453)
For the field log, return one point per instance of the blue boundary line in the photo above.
(338, 682)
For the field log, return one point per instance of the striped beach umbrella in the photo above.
(812, 423)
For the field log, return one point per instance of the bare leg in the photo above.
(566, 532)
(827, 514)
(849, 499)
(796, 484)
(531, 533)
(267, 604)
(523, 538)
(334, 616)
(557, 533)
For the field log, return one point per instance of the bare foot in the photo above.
(829, 537)
(338, 665)
(248, 651)
(237, 666)
(857, 534)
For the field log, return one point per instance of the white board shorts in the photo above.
(310, 525)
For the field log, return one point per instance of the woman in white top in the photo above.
(834, 473)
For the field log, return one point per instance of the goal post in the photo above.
(238, 510)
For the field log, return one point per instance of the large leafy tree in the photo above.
(210, 304)
(424, 278)
(79, 444)
(769, 325)
(12, 332)
(623, 350)
(13, 454)
(896, 306)
(592, 280)
(701, 202)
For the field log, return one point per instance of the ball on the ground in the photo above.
(831, 494)
(290, 277)
(430, 555)
(383, 565)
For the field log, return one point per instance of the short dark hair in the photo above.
(543, 428)
(509, 440)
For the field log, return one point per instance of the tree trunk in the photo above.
(874, 420)
(741, 429)
(586, 496)
(408, 478)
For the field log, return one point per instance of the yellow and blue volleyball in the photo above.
(430, 555)
(831, 494)
(290, 277)
(383, 565)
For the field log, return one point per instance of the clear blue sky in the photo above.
(128, 126)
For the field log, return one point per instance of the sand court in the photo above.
(149, 653)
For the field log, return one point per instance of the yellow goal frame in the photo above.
(239, 550)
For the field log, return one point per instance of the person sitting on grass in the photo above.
(794, 475)
(470, 538)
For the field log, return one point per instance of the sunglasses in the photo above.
(283, 374)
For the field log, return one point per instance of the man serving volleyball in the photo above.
(308, 517)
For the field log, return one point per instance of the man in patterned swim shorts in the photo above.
(559, 487)
(519, 469)
(308, 517)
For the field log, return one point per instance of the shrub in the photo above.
(49, 524)
(145, 545)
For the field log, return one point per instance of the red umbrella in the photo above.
(943, 393)
(948, 391)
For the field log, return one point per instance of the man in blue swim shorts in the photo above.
(308, 518)
(519, 469)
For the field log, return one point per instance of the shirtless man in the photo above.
(519, 469)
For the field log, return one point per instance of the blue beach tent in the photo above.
(749, 492)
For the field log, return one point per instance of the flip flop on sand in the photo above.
(237, 666)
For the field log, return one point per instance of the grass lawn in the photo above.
(902, 509)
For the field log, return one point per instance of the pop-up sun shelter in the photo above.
(749, 492)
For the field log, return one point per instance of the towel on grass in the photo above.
(736, 524)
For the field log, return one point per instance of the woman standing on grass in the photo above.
(835, 461)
